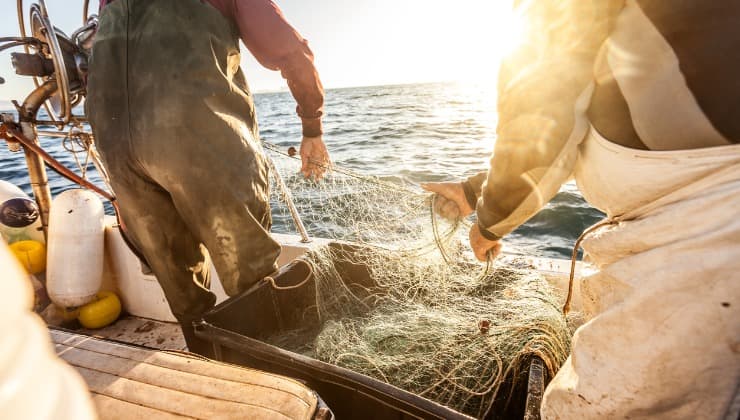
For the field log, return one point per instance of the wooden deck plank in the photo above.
(185, 363)
(219, 389)
(115, 409)
(168, 400)
(175, 384)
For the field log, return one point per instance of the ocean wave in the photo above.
(405, 134)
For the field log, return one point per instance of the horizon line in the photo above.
(285, 89)
(389, 84)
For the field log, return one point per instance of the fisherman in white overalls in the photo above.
(639, 101)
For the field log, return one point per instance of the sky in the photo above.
(355, 42)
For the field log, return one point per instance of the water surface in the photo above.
(411, 133)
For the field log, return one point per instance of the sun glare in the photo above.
(495, 30)
(508, 32)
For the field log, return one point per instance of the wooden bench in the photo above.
(137, 383)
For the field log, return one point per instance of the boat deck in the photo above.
(143, 332)
(136, 383)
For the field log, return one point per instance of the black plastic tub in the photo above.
(237, 327)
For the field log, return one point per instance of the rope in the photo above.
(288, 199)
(76, 139)
(435, 231)
(98, 163)
(576, 247)
(271, 280)
(440, 242)
(487, 268)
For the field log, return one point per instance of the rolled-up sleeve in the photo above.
(278, 46)
(545, 88)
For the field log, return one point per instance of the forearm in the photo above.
(305, 85)
(278, 46)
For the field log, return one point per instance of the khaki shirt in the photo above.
(645, 74)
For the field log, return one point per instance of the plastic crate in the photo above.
(237, 326)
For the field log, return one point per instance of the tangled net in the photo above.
(405, 304)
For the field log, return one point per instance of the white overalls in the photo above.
(663, 339)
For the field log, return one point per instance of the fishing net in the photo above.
(401, 300)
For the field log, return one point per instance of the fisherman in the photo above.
(639, 101)
(175, 123)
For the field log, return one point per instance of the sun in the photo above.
(509, 30)
(494, 30)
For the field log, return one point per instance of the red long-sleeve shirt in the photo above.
(277, 46)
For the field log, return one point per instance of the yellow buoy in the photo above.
(69, 314)
(103, 311)
(31, 254)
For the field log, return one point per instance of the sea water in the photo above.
(416, 133)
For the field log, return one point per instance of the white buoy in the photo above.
(74, 267)
(19, 215)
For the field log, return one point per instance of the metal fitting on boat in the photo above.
(5, 121)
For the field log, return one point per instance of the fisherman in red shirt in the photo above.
(175, 123)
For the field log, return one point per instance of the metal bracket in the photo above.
(31, 65)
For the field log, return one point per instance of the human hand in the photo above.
(315, 158)
(481, 246)
(451, 202)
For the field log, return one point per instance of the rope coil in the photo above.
(271, 279)
(574, 258)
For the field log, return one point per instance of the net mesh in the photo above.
(422, 315)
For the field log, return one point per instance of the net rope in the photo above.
(427, 318)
